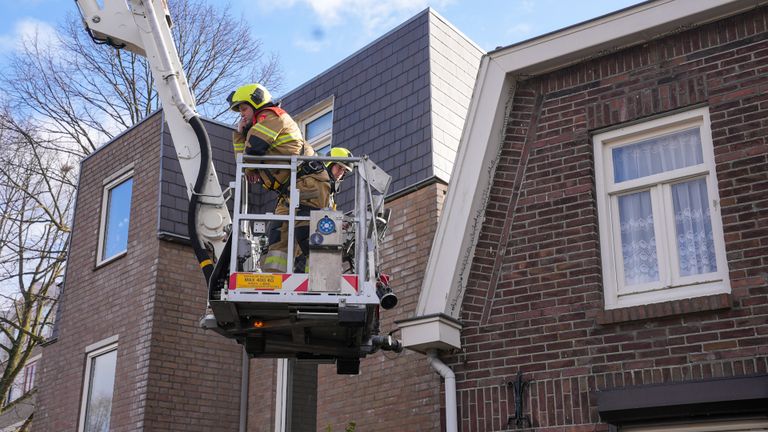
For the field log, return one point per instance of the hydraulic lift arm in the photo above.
(144, 28)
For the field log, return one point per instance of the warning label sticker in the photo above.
(259, 281)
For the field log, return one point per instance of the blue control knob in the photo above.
(326, 226)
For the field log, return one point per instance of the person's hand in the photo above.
(243, 125)
(252, 176)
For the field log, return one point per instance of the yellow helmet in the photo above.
(254, 94)
(339, 152)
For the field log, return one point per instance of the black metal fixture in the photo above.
(519, 419)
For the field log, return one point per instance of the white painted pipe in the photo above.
(451, 424)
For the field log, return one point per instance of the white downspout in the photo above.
(451, 424)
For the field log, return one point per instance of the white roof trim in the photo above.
(453, 248)
(627, 27)
(473, 171)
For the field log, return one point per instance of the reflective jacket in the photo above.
(273, 133)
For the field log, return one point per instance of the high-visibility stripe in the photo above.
(282, 139)
(266, 131)
(239, 147)
(206, 262)
(276, 260)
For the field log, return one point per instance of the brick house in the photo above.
(615, 245)
(129, 352)
(129, 302)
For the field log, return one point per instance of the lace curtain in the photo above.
(638, 242)
(693, 228)
(657, 155)
(692, 224)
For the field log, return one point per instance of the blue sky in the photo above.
(310, 36)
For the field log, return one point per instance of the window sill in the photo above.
(665, 309)
(50, 341)
(109, 260)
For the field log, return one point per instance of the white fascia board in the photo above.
(462, 216)
(628, 27)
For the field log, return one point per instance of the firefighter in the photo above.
(336, 171)
(265, 129)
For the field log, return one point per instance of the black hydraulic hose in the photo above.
(206, 264)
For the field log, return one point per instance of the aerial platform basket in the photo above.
(330, 311)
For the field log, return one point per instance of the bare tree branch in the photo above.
(60, 102)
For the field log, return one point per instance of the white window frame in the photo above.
(29, 382)
(20, 385)
(47, 327)
(318, 110)
(671, 286)
(110, 183)
(94, 350)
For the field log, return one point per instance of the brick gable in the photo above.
(534, 297)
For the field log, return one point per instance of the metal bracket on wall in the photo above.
(519, 419)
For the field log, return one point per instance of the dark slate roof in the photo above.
(381, 102)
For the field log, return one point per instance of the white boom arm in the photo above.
(144, 27)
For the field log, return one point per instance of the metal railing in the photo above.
(370, 183)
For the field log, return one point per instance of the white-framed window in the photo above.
(30, 371)
(98, 386)
(115, 216)
(25, 380)
(317, 126)
(47, 331)
(661, 234)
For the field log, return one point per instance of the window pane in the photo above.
(102, 383)
(29, 376)
(118, 216)
(638, 242)
(693, 227)
(319, 126)
(323, 151)
(657, 155)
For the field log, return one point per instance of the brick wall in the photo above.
(393, 392)
(114, 299)
(194, 375)
(534, 300)
(261, 395)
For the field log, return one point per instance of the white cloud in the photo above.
(373, 15)
(27, 29)
(356, 20)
